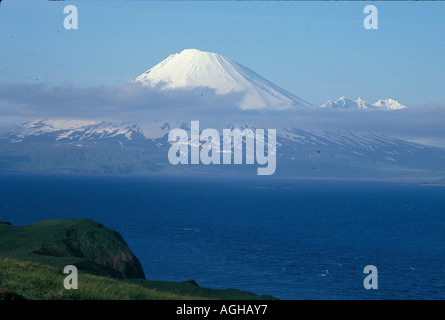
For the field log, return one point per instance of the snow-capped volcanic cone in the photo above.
(193, 68)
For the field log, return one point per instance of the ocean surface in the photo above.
(293, 239)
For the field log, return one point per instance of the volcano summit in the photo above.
(193, 68)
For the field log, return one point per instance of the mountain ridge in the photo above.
(347, 103)
(300, 153)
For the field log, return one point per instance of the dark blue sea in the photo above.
(290, 238)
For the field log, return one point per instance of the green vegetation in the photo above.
(32, 259)
(88, 245)
(36, 281)
(191, 288)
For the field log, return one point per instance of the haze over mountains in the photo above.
(140, 146)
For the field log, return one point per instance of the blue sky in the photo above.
(316, 50)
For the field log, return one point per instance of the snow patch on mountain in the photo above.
(39, 126)
(78, 129)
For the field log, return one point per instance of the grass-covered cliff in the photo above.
(32, 259)
(88, 245)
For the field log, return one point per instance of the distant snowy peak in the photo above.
(193, 68)
(388, 104)
(346, 103)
